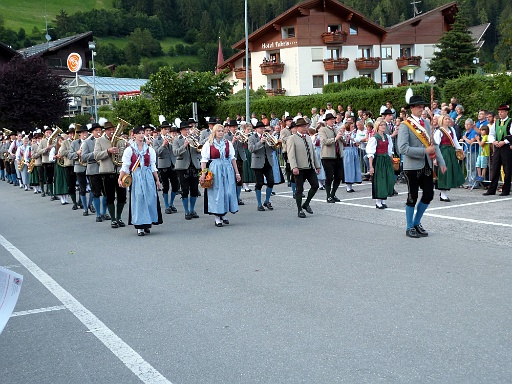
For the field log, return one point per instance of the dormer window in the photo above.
(288, 32)
(353, 29)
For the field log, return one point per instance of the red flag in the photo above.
(220, 58)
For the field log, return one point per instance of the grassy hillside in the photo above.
(28, 14)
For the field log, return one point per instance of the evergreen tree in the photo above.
(455, 54)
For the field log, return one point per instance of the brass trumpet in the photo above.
(194, 142)
(169, 138)
(241, 137)
(272, 141)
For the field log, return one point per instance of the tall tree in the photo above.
(173, 93)
(455, 54)
(30, 94)
(503, 51)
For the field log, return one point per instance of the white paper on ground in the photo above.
(10, 285)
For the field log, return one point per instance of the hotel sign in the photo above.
(279, 44)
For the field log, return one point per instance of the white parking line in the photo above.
(479, 203)
(131, 359)
(39, 310)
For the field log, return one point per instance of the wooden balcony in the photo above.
(367, 63)
(275, 92)
(413, 61)
(272, 68)
(336, 64)
(334, 37)
(240, 73)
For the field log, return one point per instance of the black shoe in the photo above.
(420, 230)
(289, 184)
(268, 206)
(308, 209)
(188, 216)
(86, 213)
(198, 194)
(218, 224)
(53, 198)
(336, 200)
(194, 215)
(412, 233)
(80, 205)
(350, 191)
(260, 208)
(273, 193)
(384, 205)
(381, 207)
(64, 203)
(330, 200)
(121, 223)
(395, 192)
(247, 190)
(504, 194)
(43, 194)
(168, 210)
(99, 219)
(173, 208)
(240, 202)
(92, 209)
(294, 195)
(225, 221)
(114, 224)
(488, 193)
(447, 199)
(301, 214)
(140, 232)
(147, 230)
(74, 207)
(106, 216)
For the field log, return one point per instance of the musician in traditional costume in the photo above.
(261, 163)
(21, 157)
(247, 173)
(205, 133)
(60, 182)
(219, 153)
(332, 156)
(139, 161)
(47, 171)
(446, 138)
(188, 167)
(501, 137)
(240, 155)
(380, 152)
(304, 165)
(283, 136)
(418, 149)
(92, 172)
(103, 152)
(69, 165)
(79, 165)
(165, 164)
(33, 177)
(3, 149)
(9, 160)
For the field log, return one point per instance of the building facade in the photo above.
(318, 42)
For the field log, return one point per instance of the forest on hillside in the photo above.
(199, 24)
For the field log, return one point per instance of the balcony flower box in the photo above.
(275, 92)
(240, 73)
(408, 61)
(340, 64)
(269, 68)
(367, 63)
(338, 37)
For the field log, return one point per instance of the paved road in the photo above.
(340, 297)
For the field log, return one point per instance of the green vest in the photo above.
(501, 129)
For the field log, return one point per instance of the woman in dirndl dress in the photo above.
(139, 160)
(447, 140)
(351, 161)
(59, 180)
(221, 197)
(380, 151)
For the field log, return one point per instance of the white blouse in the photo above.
(205, 152)
(438, 135)
(127, 159)
(371, 147)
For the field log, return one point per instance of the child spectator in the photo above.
(482, 160)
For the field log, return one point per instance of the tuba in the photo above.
(59, 161)
(75, 137)
(272, 141)
(52, 140)
(119, 142)
(7, 132)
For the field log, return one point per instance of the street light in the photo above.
(92, 47)
(432, 80)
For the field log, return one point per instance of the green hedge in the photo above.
(356, 82)
(369, 99)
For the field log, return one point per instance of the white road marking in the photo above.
(131, 359)
(39, 310)
(344, 202)
(468, 204)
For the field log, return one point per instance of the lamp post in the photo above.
(432, 80)
(92, 47)
(247, 79)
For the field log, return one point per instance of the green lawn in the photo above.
(174, 59)
(121, 42)
(29, 13)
